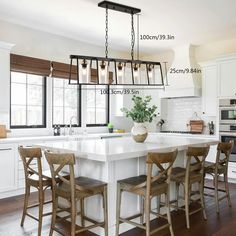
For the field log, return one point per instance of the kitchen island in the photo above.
(118, 158)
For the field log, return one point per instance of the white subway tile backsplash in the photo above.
(178, 112)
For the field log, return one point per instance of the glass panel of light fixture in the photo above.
(143, 74)
(120, 72)
(103, 70)
(136, 73)
(84, 71)
(157, 79)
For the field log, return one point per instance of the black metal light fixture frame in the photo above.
(74, 59)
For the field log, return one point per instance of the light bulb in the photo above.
(135, 73)
(102, 72)
(136, 70)
(84, 71)
(150, 74)
(84, 67)
(120, 69)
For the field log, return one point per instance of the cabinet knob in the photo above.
(203, 112)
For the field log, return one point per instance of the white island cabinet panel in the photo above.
(8, 170)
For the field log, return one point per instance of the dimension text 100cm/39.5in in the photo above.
(120, 91)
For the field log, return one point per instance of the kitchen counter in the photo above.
(125, 147)
(62, 137)
(117, 158)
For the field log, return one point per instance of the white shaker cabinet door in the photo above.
(209, 90)
(7, 168)
(227, 78)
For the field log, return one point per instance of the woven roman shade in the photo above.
(29, 65)
(62, 70)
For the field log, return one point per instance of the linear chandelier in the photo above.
(90, 70)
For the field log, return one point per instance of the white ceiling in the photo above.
(190, 21)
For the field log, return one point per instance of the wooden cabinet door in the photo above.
(7, 168)
(227, 79)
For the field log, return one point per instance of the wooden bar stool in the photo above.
(220, 167)
(34, 177)
(73, 190)
(148, 187)
(193, 173)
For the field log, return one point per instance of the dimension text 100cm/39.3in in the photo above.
(157, 37)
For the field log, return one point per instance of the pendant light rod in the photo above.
(119, 7)
(138, 36)
(106, 34)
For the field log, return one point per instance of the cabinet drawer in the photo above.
(232, 172)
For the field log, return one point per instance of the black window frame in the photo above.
(107, 111)
(44, 115)
(79, 106)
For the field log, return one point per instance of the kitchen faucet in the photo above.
(71, 130)
(160, 124)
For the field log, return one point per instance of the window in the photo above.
(28, 100)
(66, 102)
(97, 105)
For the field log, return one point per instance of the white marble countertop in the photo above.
(62, 137)
(124, 147)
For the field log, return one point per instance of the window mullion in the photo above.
(26, 115)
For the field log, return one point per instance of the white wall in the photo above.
(34, 43)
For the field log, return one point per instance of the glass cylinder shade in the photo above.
(136, 73)
(154, 74)
(120, 72)
(151, 73)
(84, 71)
(103, 70)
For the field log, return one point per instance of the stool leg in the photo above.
(177, 196)
(216, 193)
(73, 216)
(105, 207)
(54, 214)
(201, 191)
(141, 210)
(82, 212)
(26, 201)
(147, 214)
(41, 201)
(118, 206)
(227, 188)
(168, 213)
(186, 199)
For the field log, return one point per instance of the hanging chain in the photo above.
(132, 36)
(106, 34)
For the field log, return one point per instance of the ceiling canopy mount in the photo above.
(119, 7)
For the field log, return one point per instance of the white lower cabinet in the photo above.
(232, 171)
(8, 168)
